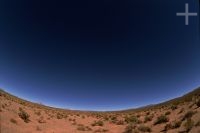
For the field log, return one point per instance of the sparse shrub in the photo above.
(24, 115)
(198, 103)
(38, 113)
(143, 128)
(161, 119)
(138, 115)
(173, 107)
(188, 125)
(41, 120)
(176, 124)
(81, 127)
(98, 116)
(173, 125)
(168, 113)
(188, 115)
(83, 117)
(148, 113)
(3, 106)
(191, 105)
(113, 118)
(20, 109)
(59, 116)
(97, 123)
(88, 128)
(13, 121)
(22, 103)
(130, 129)
(70, 119)
(101, 130)
(74, 123)
(181, 111)
(167, 127)
(197, 124)
(106, 118)
(148, 118)
(120, 122)
(65, 116)
(132, 119)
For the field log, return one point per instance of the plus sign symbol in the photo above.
(187, 14)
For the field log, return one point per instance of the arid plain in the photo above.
(179, 115)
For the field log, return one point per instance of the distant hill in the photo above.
(175, 101)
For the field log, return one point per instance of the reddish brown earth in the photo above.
(181, 115)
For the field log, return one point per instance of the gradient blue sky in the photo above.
(98, 55)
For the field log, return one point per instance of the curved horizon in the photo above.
(98, 55)
(106, 110)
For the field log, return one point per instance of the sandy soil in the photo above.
(19, 116)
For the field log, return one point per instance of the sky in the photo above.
(98, 55)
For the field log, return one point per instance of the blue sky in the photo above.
(92, 55)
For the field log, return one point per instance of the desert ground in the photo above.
(180, 115)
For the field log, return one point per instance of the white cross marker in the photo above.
(187, 14)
